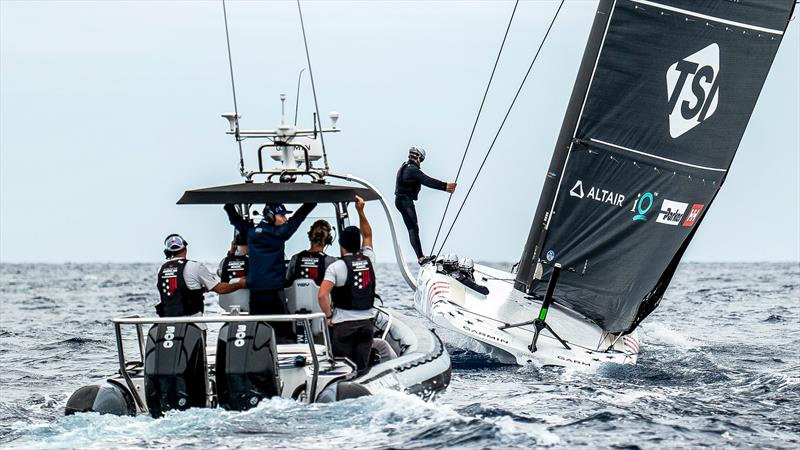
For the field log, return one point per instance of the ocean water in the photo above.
(720, 367)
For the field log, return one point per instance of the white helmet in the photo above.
(417, 152)
(466, 265)
(450, 262)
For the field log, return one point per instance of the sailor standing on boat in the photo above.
(350, 283)
(182, 282)
(266, 244)
(409, 182)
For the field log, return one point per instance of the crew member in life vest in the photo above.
(234, 264)
(182, 282)
(311, 263)
(347, 293)
(408, 183)
(266, 271)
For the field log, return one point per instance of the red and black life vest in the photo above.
(358, 292)
(234, 266)
(310, 265)
(176, 298)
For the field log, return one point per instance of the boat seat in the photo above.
(301, 296)
(240, 298)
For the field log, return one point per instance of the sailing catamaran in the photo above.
(662, 98)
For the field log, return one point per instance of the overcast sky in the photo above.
(110, 110)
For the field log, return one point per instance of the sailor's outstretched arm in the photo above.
(417, 173)
(363, 223)
(296, 220)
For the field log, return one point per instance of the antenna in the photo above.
(313, 89)
(297, 96)
(235, 122)
(283, 109)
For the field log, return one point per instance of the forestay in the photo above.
(660, 105)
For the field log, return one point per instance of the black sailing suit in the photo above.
(410, 179)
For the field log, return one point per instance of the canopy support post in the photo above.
(540, 322)
(398, 252)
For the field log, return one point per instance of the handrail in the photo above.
(220, 318)
(388, 321)
(123, 370)
(398, 251)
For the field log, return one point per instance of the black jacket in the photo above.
(410, 179)
(266, 247)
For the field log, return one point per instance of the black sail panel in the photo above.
(669, 98)
(617, 224)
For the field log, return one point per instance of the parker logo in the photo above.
(693, 90)
(595, 193)
(693, 215)
(671, 212)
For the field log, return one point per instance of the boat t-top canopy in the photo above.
(252, 193)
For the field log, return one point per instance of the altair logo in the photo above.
(693, 90)
(596, 193)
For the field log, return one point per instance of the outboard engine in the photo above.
(107, 398)
(175, 370)
(247, 365)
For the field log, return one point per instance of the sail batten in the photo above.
(663, 97)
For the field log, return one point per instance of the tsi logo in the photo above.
(693, 90)
(671, 212)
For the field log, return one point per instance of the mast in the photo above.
(531, 252)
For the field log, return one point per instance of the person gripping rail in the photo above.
(347, 293)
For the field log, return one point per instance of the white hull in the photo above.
(449, 304)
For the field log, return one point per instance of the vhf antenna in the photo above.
(233, 89)
(317, 119)
(297, 96)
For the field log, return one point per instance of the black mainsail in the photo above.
(662, 99)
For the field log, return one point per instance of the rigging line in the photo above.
(474, 125)
(508, 112)
(233, 88)
(313, 88)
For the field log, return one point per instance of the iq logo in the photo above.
(693, 90)
(642, 205)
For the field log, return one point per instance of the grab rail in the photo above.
(389, 320)
(398, 251)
